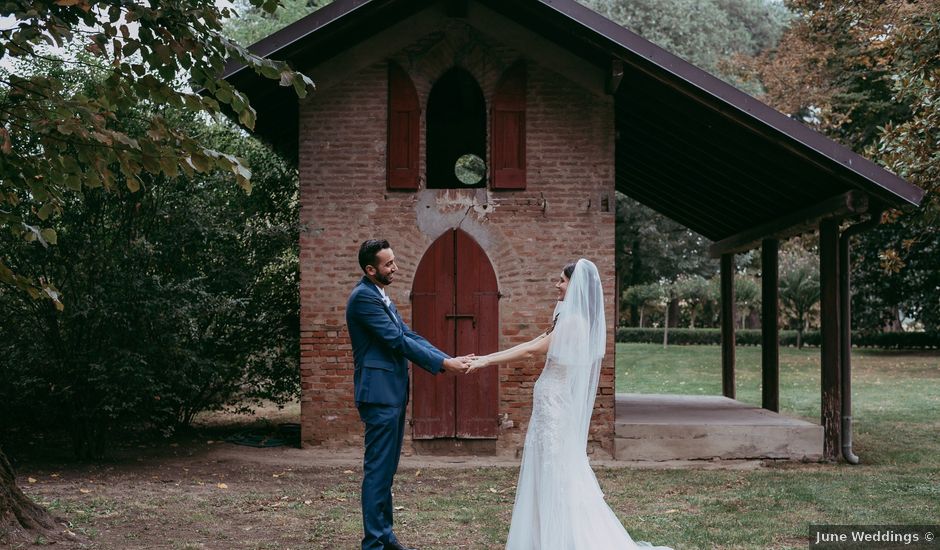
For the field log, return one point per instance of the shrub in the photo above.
(179, 297)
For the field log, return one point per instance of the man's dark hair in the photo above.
(368, 250)
(568, 270)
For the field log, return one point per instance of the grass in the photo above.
(177, 503)
(896, 408)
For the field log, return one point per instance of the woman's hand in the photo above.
(478, 363)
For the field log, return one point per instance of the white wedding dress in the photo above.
(559, 504)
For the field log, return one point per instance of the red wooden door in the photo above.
(455, 303)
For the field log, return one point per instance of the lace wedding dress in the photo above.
(559, 504)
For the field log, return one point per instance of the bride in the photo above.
(559, 504)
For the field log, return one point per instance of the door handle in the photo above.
(470, 316)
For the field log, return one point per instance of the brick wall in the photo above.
(566, 212)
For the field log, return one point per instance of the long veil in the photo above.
(579, 342)
(559, 503)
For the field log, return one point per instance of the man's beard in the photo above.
(384, 279)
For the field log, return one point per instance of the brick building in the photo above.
(559, 209)
(558, 108)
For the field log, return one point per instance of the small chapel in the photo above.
(485, 140)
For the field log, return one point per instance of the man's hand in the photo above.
(457, 365)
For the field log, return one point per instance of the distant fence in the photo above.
(751, 337)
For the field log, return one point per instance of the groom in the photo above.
(382, 346)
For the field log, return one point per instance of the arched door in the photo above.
(455, 305)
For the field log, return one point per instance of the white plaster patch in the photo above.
(439, 210)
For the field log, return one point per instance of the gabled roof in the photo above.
(689, 145)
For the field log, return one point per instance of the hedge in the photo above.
(751, 337)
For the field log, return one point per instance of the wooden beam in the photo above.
(770, 341)
(841, 206)
(831, 388)
(614, 77)
(727, 325)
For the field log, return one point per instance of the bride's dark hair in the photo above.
(568, 270)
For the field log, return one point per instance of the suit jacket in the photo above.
(382, 346)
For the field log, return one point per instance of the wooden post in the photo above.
(770, 351)
(727, 325)
(831, 336)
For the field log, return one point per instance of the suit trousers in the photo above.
(384, 431)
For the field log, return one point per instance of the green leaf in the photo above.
(38, 190)
(199, 162)
(247, 117)
(46, 211)
(301, 84)
(169, 166)
(268, 70)
(49, 235)
(223, 95)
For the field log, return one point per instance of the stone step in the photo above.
(680, 427)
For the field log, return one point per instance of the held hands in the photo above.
(478, 363)
(458, 365)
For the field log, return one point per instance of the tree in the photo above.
(696, 293)
(865, 74)
(747, 296)
(707, 33)
(651, 247)
(17, 510)
(254, 23)
(667, 294)
(641, 296)
(56, 143)
(199, 308)
(799, 288)
(902, 271)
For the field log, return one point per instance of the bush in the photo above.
(179, 297)
(897, 340)
(712, 336)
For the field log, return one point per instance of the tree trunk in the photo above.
(799, 330)
(666, 328)
(673, 313)
(20, 518)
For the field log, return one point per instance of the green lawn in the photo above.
(194, 499)
(896, 407)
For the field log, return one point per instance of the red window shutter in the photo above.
(508, 138)
(403, 122)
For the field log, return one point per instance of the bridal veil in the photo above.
(559, 504)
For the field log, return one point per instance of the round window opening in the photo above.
(470, 169)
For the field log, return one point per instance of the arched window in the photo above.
(456, 137)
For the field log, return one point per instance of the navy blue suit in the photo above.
(382, 346)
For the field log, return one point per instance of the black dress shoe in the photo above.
(398, 546)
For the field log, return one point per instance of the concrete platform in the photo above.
(691, 427)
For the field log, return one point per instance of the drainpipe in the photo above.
(845, 314)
